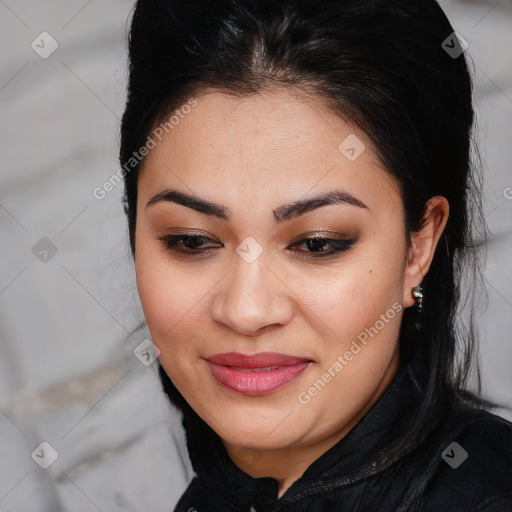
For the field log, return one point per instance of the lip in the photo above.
(256, 374)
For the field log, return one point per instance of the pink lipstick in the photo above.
(256, 374)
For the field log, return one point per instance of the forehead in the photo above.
(263, 147)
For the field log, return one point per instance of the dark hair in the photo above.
(379, 64)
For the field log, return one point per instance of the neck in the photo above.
(285, 465)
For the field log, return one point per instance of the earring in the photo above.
(417, 293)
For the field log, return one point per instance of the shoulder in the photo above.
(472, 466)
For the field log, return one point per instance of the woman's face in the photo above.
(328, 312)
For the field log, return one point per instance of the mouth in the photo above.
(256, 374)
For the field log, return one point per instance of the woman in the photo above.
(301, 202)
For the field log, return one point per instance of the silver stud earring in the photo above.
(417, 293)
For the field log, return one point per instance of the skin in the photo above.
(252, 155)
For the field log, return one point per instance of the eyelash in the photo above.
(171, 244)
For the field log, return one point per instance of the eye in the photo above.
(187, 244)
(318, 246)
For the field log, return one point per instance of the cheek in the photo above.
(353, 295)
(171, 305)
(154, 294)
(169, 298)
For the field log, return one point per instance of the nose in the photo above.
(251, 299)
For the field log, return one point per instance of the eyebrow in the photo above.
(283, 213)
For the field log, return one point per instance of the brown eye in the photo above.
(320, 247)
(186, 244)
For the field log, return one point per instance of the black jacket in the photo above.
(433, 475)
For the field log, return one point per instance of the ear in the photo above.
(423, 246)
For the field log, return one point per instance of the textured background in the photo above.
(68, 375)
